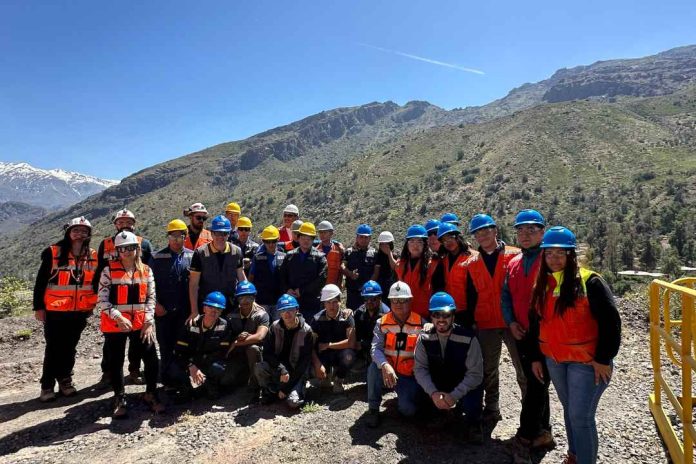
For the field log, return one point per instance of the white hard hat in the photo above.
(329, 292)
(325, 225)
(195, 208)
(292, 209)
(400, 290)
(78, 221)
(124, 213)
(125, 238)
(296, 225)
(385, 237)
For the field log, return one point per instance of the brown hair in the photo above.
(424, 259)
(571, 287)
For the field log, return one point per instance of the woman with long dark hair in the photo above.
(414, 267)
(578, 328)
(63, 299)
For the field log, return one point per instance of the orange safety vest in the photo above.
(127, 295)
(204, 238)
(110, 252)
(400, 350)
(287, 246)
(573, 336)
(421, 291)
(67, 289)
(333, 262)
(455, 277)
(489, 313)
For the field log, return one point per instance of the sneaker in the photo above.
(544, 441)
(294, 401)
(66, 387)
(338, 385)
(152, 402)
(134, 378)
(520, 451)
(120, 407)
(104, 382)
(373, 418)
(47, 394)
(570, 459)
(475, 434)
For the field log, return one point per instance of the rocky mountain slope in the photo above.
(15, 215)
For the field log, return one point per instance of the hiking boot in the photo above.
(67, 388)
(491, 416)
(47, 394)
(570, 459)
(120, 407)
(104, 382)
(134, 378)
(373, 418)
(475, 434)
(255, 396)
(544, 441)
(520, 451)
(338, 385)
(153, 402)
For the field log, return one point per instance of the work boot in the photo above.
(66, 387)
(544, 441)
(373, 418)
(255, 396)
(104, 382)
(338, 385)
(134, 378)
(120, 407)
(570, 459)
(153, 402)
(47, 394)
(520, 451)
(491, 416)
(475, 435)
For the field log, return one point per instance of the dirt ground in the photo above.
(80, 429)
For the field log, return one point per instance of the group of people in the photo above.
(429, 322)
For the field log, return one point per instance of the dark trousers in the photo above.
(62, 332)
(240, 366)
(340, 360)
(168, 327)
(115, 346)
(134, 359)
(536, 413)
(354, 300)
(214, 371)
(468, 407)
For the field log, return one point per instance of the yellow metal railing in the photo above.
(678, 337)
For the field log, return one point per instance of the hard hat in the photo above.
(441, 302)
(270, 233)
(363, 229)
(529, 216)
(233, 208)
(124, 213)
(329, 292)
(480, 221)
(558, 237)
(307, 228)
(385, 237)
(78, 221)
(220, 224)
(325, 225)
(296, 225)
(286, 302)
(431, 225)
(416, 231)
(244, 222)
(371, 288)
(447, 228)
(245, 288)
(291, 209)
(125, 238)
(400, 289)
(195, 208)
(176, 225)
(215, 300)
(451, 218)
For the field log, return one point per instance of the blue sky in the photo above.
(109, 88)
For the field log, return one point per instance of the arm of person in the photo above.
(349, 341)
(194, 281)
(377, 347)
(151, 300)
(284, 273)
(101, 264)
(252, 269)
(303, 364)
(421, 369)
(256, 337)
(438, 279)
(41, 283)
(603, 308)
(471, 296)
(506, 302)
(240, 274)
(392, 260)
(474, 371)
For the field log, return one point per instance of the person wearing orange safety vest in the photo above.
(485, 276)
(293, 242)
(334, 252)
(576, 331)
(393, 350)
(197, 235)
(291, 213)
(63, 299)
(126, 302)
(415, 267)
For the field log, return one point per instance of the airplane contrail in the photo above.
(426, 60)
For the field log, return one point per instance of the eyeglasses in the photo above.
(448, 238)
(440, 315)
(200, 218)
(220, 234)
(400, 300)
(555, 252)
(244, 229)
(79, 231)
(127, 248)
(176, 236)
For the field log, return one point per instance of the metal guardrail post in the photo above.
(687, 372)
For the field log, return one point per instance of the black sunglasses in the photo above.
(126, 248)
(441, 315)
(200, 218)
(244, 229)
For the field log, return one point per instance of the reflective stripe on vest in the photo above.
(421, 291)
(126, 295)
(455, 278)
(520, 287)
(400, 342)
(204, 238)
(488, 313)
(573, 336)
(447, 369)
(66, 290)
(110, 252)
(333, 262)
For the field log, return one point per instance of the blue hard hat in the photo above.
(245, 288)
(441, 301)
(215, 300)
(451, 218)
(529, 216)
(480, 221)
(220, 224)
(371, 288)
(431, 225)
(558, 237)
(416, 231)
(363, 229)
(447, 228)
(286, 302)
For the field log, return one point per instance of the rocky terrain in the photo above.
(330, 430)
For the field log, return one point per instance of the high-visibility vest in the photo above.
(109, 249)
(333, 262)
(288, 246)
(421, 291)
(573, 336)
(520, 286)
(400, 341)
(455, 278)
(488, 313)
(204, 238)
(68, 289)
(127, 295)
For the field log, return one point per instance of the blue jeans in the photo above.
(575, 385)
(408, 393)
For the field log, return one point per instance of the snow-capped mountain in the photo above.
(50, 189)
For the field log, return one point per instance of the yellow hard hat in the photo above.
(176, 225)
(270, 233)
(307, 228)
(233, 208)
(244, 222)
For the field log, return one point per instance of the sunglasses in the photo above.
(177, 236)
(289, 215)
(200, 218)
(127, 248)
(244, 229)
(373, 298)
(400, 300)
(440, 315)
